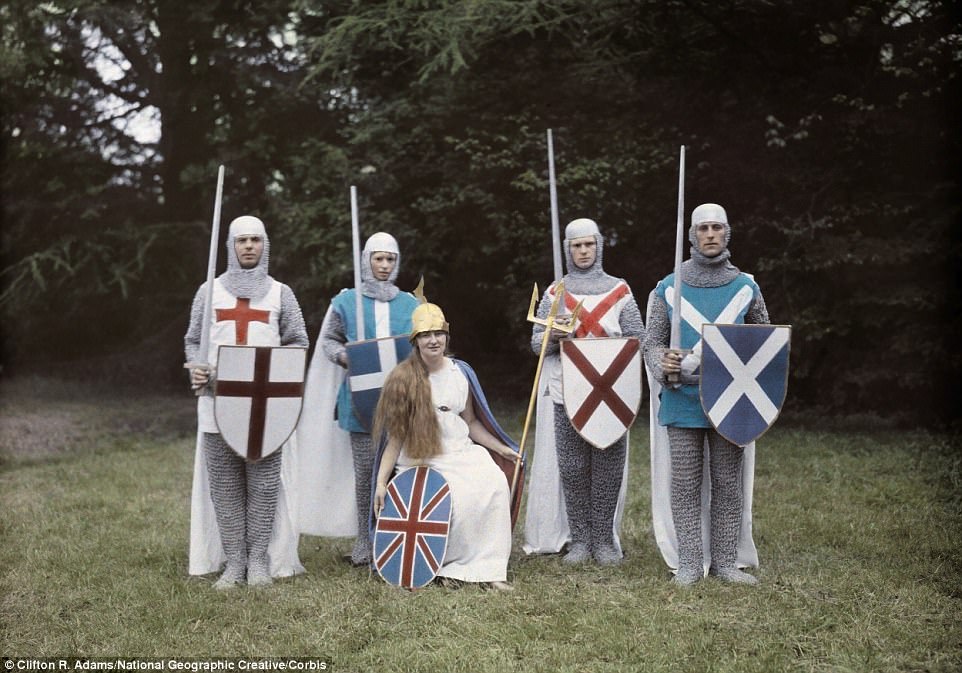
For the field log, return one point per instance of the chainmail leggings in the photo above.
(687, 468)
(363, 452)
(245, 499)
(591, 480)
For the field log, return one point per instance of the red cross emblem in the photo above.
(242, 314)
(258, 390)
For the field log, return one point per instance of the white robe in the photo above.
(662, 522)
(206, 553)
(326, 504)
(545, 520)
(479, 539)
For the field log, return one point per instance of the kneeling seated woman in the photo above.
(427, 410)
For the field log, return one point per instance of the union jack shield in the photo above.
(411, 534)
(601, 381)
(744, 378)
(368, 364)
(257, 397)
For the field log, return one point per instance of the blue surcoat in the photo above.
(398, 322)
(728, 304)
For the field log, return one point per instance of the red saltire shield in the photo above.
(601, 380)
(257, 397)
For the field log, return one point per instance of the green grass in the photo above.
(858, 533)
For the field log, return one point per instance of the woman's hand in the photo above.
(380, 493)
(507, 452)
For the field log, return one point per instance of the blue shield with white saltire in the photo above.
(411, 534)
(368, 364)
(744, 378)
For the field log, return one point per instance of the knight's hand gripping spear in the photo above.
(553, 322)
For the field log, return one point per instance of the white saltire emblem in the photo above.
(744, 377)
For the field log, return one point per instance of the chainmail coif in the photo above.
(247, 283)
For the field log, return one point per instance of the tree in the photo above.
(795, 117)
(105, 231)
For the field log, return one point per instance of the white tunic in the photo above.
(479, 540)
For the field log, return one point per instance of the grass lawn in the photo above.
(859, 535)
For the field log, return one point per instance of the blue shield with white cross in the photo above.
(744, 378)
(368, 364)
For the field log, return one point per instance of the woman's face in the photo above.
(432, 344)
(382, 264)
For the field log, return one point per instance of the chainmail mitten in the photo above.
(657, 337)
(687, 463)
(607, 471)
(228, 493)
(574, 464)
(263, 486)
(363, 453)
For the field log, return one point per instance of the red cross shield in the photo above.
(601, 381)
(257, 397)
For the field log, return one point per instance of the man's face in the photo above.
(584, 250)
(248, 249)
(382, 264)
(710, 237)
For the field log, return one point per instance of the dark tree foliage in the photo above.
(827, 129)
(105, 235)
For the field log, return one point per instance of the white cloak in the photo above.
(545, 520)
(326, 503)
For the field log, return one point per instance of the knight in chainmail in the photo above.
(718, 291)
(591, 478)
(249, 308)
(387, 312)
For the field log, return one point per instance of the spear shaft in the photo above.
(675, 340)
(211, 268)
(553, 192)
(356, 243)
